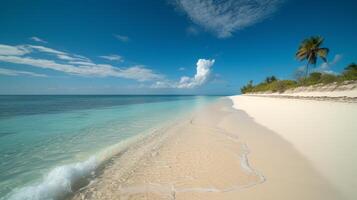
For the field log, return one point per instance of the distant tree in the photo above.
(247, 88)
(350, 72)
(351, 67)
(273, 78)
(310, 49)
(270, 79)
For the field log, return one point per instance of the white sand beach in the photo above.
(224, 153)
(323, 131)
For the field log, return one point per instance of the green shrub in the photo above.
(328, 78)
(350, 72)
(275, 86)
(281, 86)
(314, 78)
(247, 88)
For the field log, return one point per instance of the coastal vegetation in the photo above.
(310, 50)
(276, 85)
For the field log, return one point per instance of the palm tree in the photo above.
(310, 49)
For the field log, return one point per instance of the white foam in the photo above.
(57, 183)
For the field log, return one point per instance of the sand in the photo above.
(325, 132)
(217, 153)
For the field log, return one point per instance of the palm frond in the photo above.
(322, 53)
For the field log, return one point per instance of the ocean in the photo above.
(49, 142)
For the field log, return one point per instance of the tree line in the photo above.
(310, 50)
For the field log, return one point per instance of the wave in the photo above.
(60, 181)
(57, 183)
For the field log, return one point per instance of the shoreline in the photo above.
(216, 154)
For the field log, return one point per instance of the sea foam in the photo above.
(57, 183)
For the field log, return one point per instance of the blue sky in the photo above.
(163, 46)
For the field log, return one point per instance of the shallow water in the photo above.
(46, 142)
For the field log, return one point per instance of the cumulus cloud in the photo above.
(223, 17)
(122, 38)
(37, 39)
(203, 73)
(71, 63)
(113, 57)
(10, 72)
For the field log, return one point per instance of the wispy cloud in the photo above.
(37, 39)
(74, 64)
(44, 49)
(113, 57)
(191, 30)
(13, 50)
(202, 76)
(10, 72)
(323, 68)
(327, 65)
(223, 17)
(71, 63)
(60, 54)
(122, 38)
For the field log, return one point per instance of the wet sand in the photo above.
(217, 153)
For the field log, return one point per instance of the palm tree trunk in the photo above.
(307, 70)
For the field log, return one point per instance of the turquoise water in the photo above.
(47, 142)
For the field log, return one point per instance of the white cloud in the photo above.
(163, 84)
(45, 49)
(60, 54)
(181, 69)
(223, 17)
(10, 72)
(327, 65)
(72, 63)
(66, 57)
(139, 73)
(113, 57)
(37, 39)
(81, 63)
(203, 73)
(122, 38)
(13, 50)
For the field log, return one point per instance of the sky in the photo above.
(202, 47)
